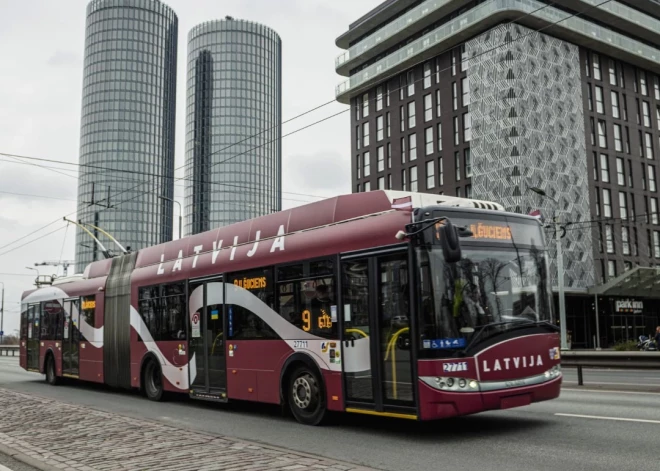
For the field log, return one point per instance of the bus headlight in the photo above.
(451, 384)
(462, 383)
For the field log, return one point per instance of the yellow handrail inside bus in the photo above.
(216, 339)
(391, 346)
(357, 331)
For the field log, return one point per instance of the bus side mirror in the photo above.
(451, 244)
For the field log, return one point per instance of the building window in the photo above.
(642, 83)
(609, 238)
(402, 117)
(600, 104)
(627, 140)
(656, 244)
(618, 141)
(380, 154)
(590, 98)
(358, 105)
(381, 183)
(468, 191)
(648, 145)
(639, 121)
(411, 115)
(404, 185)
(597, 202)
(646, 109)
(457, 139)
(457, 163)
(624, 107)
(611, 269)
(627, 266)
(620, 175)
(595, 60)
(365, 134)
(622, 79)
(427, 74)
(635, 243)
(357, 140)
(615, 104)
(413, 178)
(430, 174)
(454, 96)
(643, 178)
(623, 206)
(388, 129)
(365, 105)
(428, 140)
(607, 203)
(464, 59)
(656, 87)
(389, 155)
(612, 68)
(428, 107)
(652, 186)
(441, 173)
(453, 62)
(438, 108)
(437, 71)
(367, 164)
(467, 127)
(593, 131)
(358, 162)
(412, 146)
(389, 181)
(467, 155)
(403, 150)
(595, 161)
(367, 186)
(657, 115)
(402, 86)
(604, 168)
(379, 98)
(465, 89)
(458, 192)
(602, 134)
(411, 83)
(379, 128)
(654, 210)
(439, 137)
(632, 206)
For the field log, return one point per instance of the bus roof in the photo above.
(305, 217)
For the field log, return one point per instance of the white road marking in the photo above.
(610, 391)
(597, 417)
(618, 384)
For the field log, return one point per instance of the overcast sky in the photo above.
(41, 60)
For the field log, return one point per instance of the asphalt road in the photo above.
(585, 429)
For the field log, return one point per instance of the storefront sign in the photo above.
(628, 305)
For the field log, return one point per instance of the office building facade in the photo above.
(233, 116)
(490, 98)
(126, 175)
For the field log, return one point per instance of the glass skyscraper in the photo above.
(127, 128)
(233, 116)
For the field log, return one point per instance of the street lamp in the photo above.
(560, 266)
(180, 213)
(2, 312)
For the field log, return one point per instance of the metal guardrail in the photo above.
(608, 359)
(5, 349)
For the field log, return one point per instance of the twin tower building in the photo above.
(233, 113)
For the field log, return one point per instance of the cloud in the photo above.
(65, 59)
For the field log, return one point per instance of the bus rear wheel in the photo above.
(306, 397)
(153, 381)
(51, 375)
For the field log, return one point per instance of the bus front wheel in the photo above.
(306, 397)
(51, 375)
(153, 381)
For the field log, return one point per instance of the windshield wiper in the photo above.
(482, 329)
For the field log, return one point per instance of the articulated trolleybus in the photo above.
(386, 303)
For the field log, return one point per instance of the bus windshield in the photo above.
(489, 286)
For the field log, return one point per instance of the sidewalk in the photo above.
(50, 435)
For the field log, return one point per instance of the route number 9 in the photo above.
(307, 320)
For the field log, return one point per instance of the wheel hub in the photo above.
(302, 392)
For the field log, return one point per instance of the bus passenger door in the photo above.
(32, 343)
(377, 359)
(71, 338)
(206, 340)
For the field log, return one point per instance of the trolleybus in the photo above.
(397, 304)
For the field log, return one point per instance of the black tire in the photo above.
(306, 396)
(51, 374)
(153, 381)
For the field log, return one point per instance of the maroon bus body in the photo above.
(330, 227)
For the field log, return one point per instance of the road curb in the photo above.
(23, 458)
